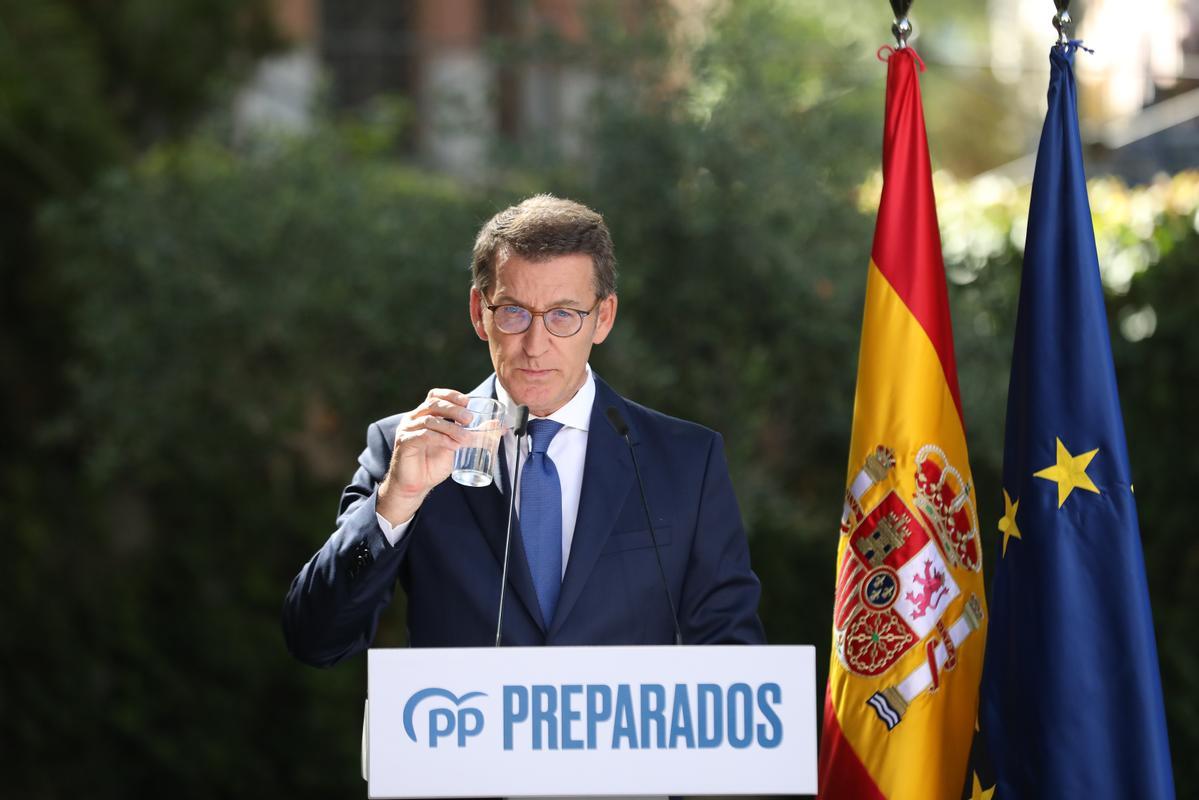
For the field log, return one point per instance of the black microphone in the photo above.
(622, 430)
(520, 427)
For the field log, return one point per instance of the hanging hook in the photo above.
(1062, 19)
(901, 29)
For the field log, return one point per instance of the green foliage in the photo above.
(82, 86)
(1158, 374)
(244, 315)
(262, 293)
(81, 83)
(90, 704)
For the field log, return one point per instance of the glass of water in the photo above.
(474, 461)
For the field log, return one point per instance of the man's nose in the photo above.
(536, 340)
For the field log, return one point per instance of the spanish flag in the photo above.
(909, 620)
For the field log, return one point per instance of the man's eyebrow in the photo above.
(506, 299)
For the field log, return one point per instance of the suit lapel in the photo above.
(607, 479)
(490, 507)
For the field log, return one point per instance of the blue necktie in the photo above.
(541, 517)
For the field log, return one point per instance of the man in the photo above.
(582, 568)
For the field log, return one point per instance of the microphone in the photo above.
(622, 430)
(520, 427)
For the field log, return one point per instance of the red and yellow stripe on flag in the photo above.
(909, 617)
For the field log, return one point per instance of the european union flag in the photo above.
(1071, 700)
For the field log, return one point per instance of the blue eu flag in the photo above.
(1071, 700)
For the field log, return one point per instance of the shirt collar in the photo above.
(577, 411)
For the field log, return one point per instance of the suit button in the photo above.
(360, 556)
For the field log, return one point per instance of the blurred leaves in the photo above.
(260, 296)
(83, 86)
(243, 315)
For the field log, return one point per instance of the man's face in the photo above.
(538, 369)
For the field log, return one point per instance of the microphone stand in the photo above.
(520, 428)
(622, 429)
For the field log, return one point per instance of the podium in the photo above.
(560, 721)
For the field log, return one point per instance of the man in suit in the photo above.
(583, 569)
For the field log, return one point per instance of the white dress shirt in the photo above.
(568, 449)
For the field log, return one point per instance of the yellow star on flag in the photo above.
(1008, 523)
(1069, 473)
(979, 793)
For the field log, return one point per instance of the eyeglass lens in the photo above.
(558, 321)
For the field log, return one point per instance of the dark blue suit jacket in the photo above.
(450, 559)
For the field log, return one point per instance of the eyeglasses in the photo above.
(561, 322)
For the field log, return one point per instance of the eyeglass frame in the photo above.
(582, 317)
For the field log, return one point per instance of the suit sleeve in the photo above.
(719, 603)
(332, 608)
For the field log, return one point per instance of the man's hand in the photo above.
(423, 457)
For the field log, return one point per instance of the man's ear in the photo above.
(605, 318)
(476, 313)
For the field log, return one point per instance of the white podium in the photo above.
(558, 721)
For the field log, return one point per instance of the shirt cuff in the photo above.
(393, 533)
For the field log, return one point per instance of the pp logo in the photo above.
(443, 722)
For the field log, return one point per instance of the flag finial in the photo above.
(1061, 20)
(901, 28)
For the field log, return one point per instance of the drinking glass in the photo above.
(473, 461)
